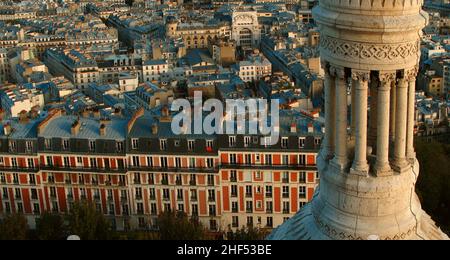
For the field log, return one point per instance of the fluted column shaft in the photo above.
(340, 151)
(392, 111)
(360, 80)
(401, 112)
(382, 162)
(373, 85)
(330, 90)
(411, 78)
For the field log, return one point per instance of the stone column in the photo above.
(410, 76)
(360, 166)
(401, 112)
(373, 84)
(353, 107)
(330, 109)
(392, 113)
(382, 166)
(340, 151)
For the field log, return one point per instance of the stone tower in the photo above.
(368, 168)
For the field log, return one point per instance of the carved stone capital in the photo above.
(337, 71)
(360, 75)
(411, 73)
(386, 77)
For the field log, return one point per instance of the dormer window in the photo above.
(134, 143)
(92, 145)
(191, 145)
(48, 143)
(65, 144)
(163, 144)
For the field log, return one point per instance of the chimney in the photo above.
(310, 128)
(96, 113)
(102, 130)
(155, 128)
(165, 114)
(293, 128)
(2, 114)
(7, 129)
(75, 129)
(23, 117)
(85, 113)
(34, 112)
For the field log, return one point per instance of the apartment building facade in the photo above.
(134, 169)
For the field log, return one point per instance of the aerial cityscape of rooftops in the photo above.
(148, 118)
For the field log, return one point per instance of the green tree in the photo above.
(14, 227)
(50, 227)
(178, 226)
(433, 184)
(247, 233)
(86, 222)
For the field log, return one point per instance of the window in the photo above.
(53, 192)
(317, 141)
(163, 144)
(250, 221)
(285, 191)
(192, 163)
(191, 145)
(66, 161)
(249, 206)
(269, 206)
(285, 178)
(232, 141)
(210, 162)
(12, 146)
(286, 207)
(177, 162)
(268, 159)
(14, 162)
(32, 179)
(181, 207)
(211, 195)
(65, 144)
(153, 209)
(91, 145)
(16, 178)
(234, 191)
(164, 163)
(302, 159)
(248, 159)
(248, 191)
(234, 207)
(258, 175)
(119, 146)
(140, 210)
(269, 222)
(233, 176)
(284, 142)
(29, 146)
(5, 193)
(93, 162)
(235, 221)
(51, 178)
(268, 191)
(19, 207)
(18, 194)
(233, 158)
(285, 159)
(134, 143)
(301, 204)
(135, 160)
(194, 195)
(179, 194)
(138, 193)
(149, 161)
(302, 192)
(48, 144)
(166, 194)
(34, 194)
(2, 178)
(212, 210)
(302, 177)
(209, 144)
(194, 209)
(301, 142)
(247, 141)
(137, 178)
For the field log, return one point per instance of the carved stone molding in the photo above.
(368, 51)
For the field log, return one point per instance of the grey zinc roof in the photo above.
(21, 130)
(90, 128)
